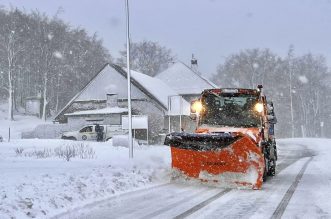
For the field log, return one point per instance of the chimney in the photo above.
(194, 64)
(112, 100)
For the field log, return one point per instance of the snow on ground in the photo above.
(312, 196)
(20, 124)
(35, 182)
(42, 187)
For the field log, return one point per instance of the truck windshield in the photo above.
(236, 110)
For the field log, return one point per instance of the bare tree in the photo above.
(11, 45)
(147, 57)
(297, 86)
(309, 74)
(248, 68)
(41, 56)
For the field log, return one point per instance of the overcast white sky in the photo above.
(211, 29)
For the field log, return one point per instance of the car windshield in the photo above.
(86, 129)
(234, 109)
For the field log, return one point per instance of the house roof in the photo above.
(184, 80)
(103, 83)
(107, 110)
(154, 86)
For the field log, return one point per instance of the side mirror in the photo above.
(272, 119)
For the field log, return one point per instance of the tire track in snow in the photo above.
(248, 203)
(67, 214)
(202, 204)
(289, 158)
(173, 205)
(289, 193)
(151, 204)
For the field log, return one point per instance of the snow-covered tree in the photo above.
(147, 57)
(297, 86)
(11, 45)
(42, 56)
(309, 94)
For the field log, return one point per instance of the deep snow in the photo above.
(42, 187)
(49, 186)
(45, 187)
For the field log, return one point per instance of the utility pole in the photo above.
(290, 53)
(128, 77)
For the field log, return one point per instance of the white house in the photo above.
(185, 81)
(149, 97)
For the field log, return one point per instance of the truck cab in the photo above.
(239, 110)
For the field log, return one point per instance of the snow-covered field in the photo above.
(20, 124)
(38, 183)
(45, 187)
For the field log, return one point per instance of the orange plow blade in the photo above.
(220, 158)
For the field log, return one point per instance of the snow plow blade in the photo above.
(224, 159)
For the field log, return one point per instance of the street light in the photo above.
(128, 77)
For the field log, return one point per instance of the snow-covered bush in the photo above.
(44, 153)
(80, 150)
(66, 152)
(122, 140)
(19, 151)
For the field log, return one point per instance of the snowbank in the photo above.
(35, 182)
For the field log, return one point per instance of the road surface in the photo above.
(172, 200)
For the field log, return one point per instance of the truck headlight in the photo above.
(258, 107)
(196, 107)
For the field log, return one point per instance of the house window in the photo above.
(115, 119)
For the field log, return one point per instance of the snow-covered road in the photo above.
(300, 189)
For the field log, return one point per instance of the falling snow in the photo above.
(58, 55)
(303, 79)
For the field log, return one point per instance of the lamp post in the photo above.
(128, 77)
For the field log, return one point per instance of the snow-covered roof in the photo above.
(105, 83)
(155, 86)
(107, 110)
(184, 80)
(110, 80)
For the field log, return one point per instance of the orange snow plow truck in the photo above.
(233, 145)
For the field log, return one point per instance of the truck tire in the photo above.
(272, 168)
(84, 137)
(266, 169)
(69, 138)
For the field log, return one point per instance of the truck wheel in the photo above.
(272, 168)
(69, 138)
(266, 169)
(84, 137)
